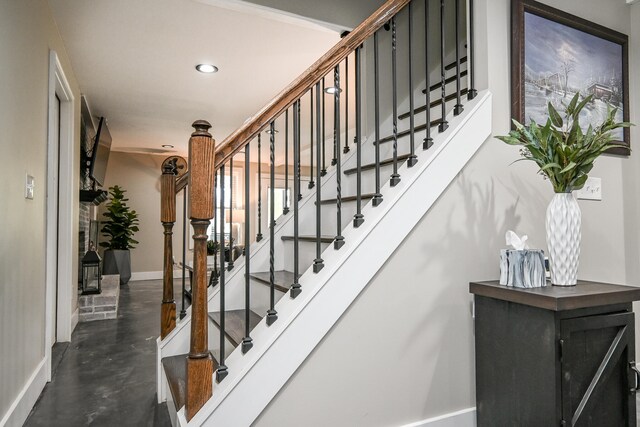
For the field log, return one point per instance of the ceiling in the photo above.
(134, 61)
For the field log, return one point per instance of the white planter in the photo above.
(563, 239)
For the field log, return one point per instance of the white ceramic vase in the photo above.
(563, 238)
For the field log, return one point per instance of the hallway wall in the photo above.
(404, 351)
(27, 33)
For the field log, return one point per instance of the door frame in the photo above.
(59, 213)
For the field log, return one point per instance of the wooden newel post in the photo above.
(201, 179)
(168, 218)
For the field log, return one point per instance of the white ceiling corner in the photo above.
(134, 60)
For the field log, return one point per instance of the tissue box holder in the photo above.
(522, 268)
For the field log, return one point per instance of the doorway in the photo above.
(59, 316)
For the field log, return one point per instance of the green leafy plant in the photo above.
(563, 152)
(212, 247)
(122, 222)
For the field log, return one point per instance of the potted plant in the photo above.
(565, 154)
(120, 227)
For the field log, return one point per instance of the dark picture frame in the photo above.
(558, 73)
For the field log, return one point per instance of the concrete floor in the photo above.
(106, 376)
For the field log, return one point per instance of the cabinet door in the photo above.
(596, 378)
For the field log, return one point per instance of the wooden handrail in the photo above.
(238, 139)
(241, 137)
(182, 182)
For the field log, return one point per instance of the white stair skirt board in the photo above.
(22, 405)
(463, 418)
(325, 296)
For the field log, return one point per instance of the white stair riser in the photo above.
(306, 255)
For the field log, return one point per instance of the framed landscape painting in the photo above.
(555, 54)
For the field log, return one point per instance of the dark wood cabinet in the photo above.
(555, 356)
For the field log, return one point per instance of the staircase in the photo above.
(357, 150)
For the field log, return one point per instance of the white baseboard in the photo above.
(22, 405)
(463, 418)
(153, 275)
(74, 319)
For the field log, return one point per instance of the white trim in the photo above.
(154, 275)
(463, 418)
(74, 319)
(59, 212)
(275, 15)
(21, 406)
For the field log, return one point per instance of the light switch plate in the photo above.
(29, 187)
(592, 189)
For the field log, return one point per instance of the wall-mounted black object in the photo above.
(555, 356)
(93, 196)
(100, 153)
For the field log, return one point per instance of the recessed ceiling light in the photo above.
(331, 90)
(167, 146)
(207, 68)
(268, 131)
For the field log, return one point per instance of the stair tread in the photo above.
(311, 238)
(283, 279)
(348, 198)
(175, 369)
(401, 158)
(234, 323)
(435, 103)
(447, 81)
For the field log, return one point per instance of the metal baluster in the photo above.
(259, 235)
(311, 183)
(336, 146)
(458, 107)
(272, 314)
(183, 310)
(395, 176)
(428, 140)
(413, 159)
(377, 197)
(346, 105)
(222, 369)
(443, 95)
(295, 286)
(318, 263)
(339, 241)
(321, 136)
(230, 261)
(358, 218)
(472, 92)
(247, 341)
(285, 209)
(215, 274)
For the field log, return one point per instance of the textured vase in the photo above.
(563, 239)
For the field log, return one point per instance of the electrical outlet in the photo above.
(592, 189)
(29, 187)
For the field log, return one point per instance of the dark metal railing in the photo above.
(389, 49)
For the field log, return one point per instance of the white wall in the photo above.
(27, 33)
(404, 350)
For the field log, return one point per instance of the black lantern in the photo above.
(91, 273)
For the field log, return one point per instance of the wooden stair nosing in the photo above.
(452, 65)
(404, 133)
(435, 103)
(323, 239)
(368, 166)
(448, 80)
(347, 199)
(283, 279)
(175, 369)
(234, 323)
